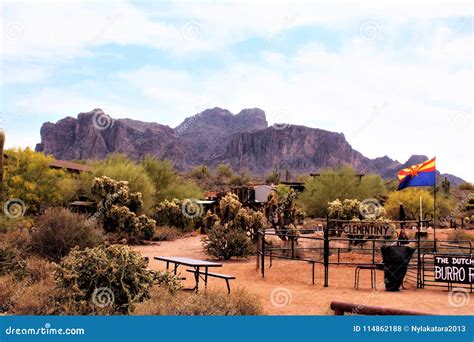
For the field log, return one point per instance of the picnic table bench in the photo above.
(215, 275)
(197, 267)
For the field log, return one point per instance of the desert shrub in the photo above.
(239, 302)
(58, 230)
(466, 186)
(242, 179)
(166, 234)
(15, 254)
(32, 295)
(39, 298)
(11, 262)
(102, 271)
(223, 173)
(460, 235)
(8, 286)
(161, 303)
(38, 268)
(201, 172)
(18, 239)
(273, 177)
(225, 242)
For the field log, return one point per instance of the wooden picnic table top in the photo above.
(188, 261)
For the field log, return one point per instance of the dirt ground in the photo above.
(287, 289)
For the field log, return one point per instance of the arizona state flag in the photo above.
(423, 174)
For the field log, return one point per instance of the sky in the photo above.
(395, 77)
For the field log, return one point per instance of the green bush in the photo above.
(106, 276)
(167, 182)
(28, 177)
(58, 230)
(201, 172)
(410, 199)
(122, 168)
(340, 183)
(224, 243)
(223, 173)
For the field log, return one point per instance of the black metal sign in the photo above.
(454, 269)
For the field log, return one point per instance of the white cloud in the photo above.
(73, 29)
(421, 86)
(52, 104)
(339, 91)
(24, 74)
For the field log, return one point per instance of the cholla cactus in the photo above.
(123, 220)
(300, 215)
(120, 208)
(351, 209)
(257, 222)
(242, 220)
(282, 214)
(348, 209)
(116, 270)
(229, 207)
(169, 213)
(146, 226)
(109, 191)
(335, 210)
(209, 221)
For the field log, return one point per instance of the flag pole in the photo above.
(421, 213)
(434, 213)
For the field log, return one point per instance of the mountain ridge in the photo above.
(213, 136)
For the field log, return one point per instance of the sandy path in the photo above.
(289, 284)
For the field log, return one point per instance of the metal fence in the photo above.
(329, 247)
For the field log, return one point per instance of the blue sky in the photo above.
(395, 78)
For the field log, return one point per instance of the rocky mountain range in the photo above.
(245, 140)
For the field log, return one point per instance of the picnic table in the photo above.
(194, 263)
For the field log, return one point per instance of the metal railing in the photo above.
(355, 245)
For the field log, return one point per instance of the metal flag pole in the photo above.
(434, 213)
(421, 213)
